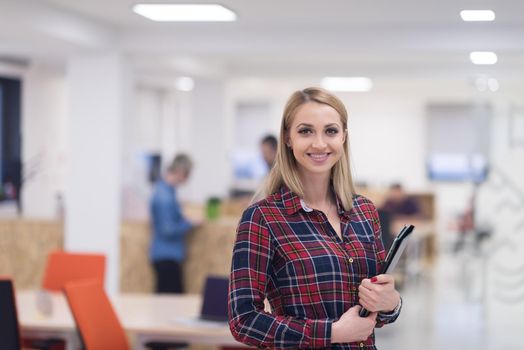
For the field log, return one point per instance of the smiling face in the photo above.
(316, 136)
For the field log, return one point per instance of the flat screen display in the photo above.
(457, 167)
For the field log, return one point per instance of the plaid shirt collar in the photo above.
(293, 203)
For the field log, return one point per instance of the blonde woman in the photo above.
(312, 246)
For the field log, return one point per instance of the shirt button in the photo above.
(351, 260)
(361, 345)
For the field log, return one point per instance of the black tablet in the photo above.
(398, 246)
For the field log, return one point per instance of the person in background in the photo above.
(398, 203)
(311, 247)
(169, 227)
(268, 148)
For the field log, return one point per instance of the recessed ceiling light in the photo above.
(481, 83)
(493, 84)
(184, 84)
(477, 15)
(185, 12)
(484, 83)
(483, 57)
(353, 84)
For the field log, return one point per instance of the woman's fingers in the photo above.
(382, 279)
(377, 293)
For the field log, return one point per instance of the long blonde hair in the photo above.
(285, 170)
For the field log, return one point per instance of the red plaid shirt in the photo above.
(290, 254)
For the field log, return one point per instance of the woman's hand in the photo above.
(378, 294)
(351, 327)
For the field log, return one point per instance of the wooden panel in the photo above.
(209, 251)
(136, 273)
(24, 246)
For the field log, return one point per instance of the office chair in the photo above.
(94, 316)
(63, 267)
(9, 331)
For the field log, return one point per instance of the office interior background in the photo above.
(93, 95)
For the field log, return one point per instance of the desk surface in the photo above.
(146, 316)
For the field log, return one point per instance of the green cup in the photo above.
(213, 208)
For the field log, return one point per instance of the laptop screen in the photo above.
(214, 304)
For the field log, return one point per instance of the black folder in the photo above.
(394, 253)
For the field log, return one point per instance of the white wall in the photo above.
(500, 207)
(10, 70)
(44, 140)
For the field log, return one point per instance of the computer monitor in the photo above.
(457, 167)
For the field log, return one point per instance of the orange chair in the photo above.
(95, 318)
(9, 330)
(63, 267)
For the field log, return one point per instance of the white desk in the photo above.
(144, 316)
(58, 324)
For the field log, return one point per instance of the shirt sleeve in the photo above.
(250, 271)
(382, 317)
(168, 216)
(389, 317)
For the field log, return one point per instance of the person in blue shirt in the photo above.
(169, 227)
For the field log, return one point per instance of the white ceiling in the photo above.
(418, 38)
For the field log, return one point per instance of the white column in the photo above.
(208, 147)
(97, 100)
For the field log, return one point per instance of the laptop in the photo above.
(214, 299)
(213, 313)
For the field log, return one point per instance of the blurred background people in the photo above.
(398, 203)
(169, 226)
(268, 148)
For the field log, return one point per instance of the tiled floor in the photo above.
(445, 309)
